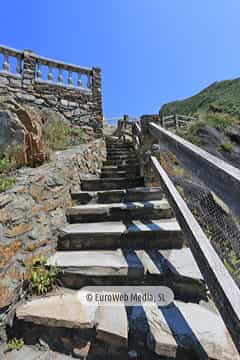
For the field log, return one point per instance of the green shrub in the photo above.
(59, 135)
(6, 183)
(15, 344)
(228, 147)
(219, 121)
(42, 278)
(7, 164)
(55, 135)
(232, 263)
(191, 132)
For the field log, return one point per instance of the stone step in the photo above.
(119, 174)
(120, 151)
(174, 268)
(111, 183)
(181, 331)
(121, 167)
(121, 162)
(119, 195)
(66, 309)
(116, 147)
(155, 209)
(155, 234)
(118, 156)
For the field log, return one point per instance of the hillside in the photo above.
(218, 127)
(221, 96)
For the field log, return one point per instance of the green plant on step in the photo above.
(228, 147)
(6, 183)
(15, 344)
(41, 278)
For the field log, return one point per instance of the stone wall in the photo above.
(33, 211)
(78, 101)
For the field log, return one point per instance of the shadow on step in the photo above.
(164, 331)
(66, 341)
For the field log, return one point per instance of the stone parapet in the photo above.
(74, 91)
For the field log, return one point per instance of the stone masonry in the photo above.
(32, 211)
(79, 102)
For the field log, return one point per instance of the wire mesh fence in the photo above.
(216, 219)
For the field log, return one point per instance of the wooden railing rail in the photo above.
(223, 288)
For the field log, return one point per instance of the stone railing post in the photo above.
(97, 94)
(29, 64)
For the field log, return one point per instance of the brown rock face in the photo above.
(34, 149)
(18, 230)
(22, 133)
(8, 251)
(9, 286)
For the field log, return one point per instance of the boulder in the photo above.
(12, 132)
(21, 133)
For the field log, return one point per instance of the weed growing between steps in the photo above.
(41, 278)
(14, 344)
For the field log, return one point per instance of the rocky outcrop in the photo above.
(22, 134)
(34, 209)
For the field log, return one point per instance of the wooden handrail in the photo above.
(223, 289)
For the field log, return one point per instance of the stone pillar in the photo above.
(28, 70)
(97, 95)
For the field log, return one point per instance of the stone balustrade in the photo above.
(73, 90)
(12, 61)
(65, 74)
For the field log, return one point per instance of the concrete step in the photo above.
(181, 331)
(156, 209)
(111, 183)
(155, 234)
(119, 195)
(174, 268)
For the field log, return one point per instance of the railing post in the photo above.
(163, 122)
(29, 65)
(97, 94)
(176, 120)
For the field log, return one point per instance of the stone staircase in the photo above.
(122, 233)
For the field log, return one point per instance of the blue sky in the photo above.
(150, 51)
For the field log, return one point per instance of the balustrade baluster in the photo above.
(6, 65)
(39, 71)
(89, 82)
(18, 66)
(50, 74)
(79, 81)
(60, 75)
(70, 80)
